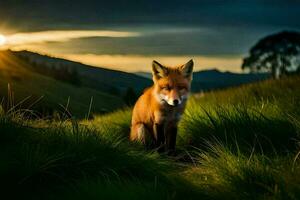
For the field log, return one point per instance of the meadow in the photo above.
(237, 143)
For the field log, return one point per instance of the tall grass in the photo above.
(263, 114)
(62, 160)
(246, 141)
(227, 174)
(270, 130)
(40, 159)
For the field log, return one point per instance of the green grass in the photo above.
(239, 143)
(224, 174)
(265, 114)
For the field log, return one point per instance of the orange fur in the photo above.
(156, 113)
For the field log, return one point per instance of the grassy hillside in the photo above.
(240, 143)
(24, 83)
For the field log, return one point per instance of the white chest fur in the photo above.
(170, 114)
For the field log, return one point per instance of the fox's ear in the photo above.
(158, 70)
(187, 69)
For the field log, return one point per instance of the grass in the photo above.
(228, 175)
(264, 114)
(239, 143)
(59, 155)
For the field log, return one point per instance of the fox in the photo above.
(158, 110)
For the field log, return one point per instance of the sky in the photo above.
(128, 34)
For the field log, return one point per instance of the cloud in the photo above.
(162, 40)
(62, 36)
(134, 63)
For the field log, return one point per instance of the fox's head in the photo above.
(172, 84)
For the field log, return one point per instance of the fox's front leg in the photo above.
(171, 134)
(159, 134)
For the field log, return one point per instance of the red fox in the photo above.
(158, 110)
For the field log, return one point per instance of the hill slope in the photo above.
(25, 82)
(105, 80)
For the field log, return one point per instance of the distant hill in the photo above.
(144, 74)
(26, 82)
(214, 79)
(105, 80)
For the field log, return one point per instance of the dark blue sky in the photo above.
(41, 14)
(215, 28)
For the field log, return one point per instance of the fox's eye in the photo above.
(165, 88)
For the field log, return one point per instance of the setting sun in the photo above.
(2, 39)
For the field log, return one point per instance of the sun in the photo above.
(2, 39)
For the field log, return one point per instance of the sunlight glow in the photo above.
(2, 40)
(62, 36)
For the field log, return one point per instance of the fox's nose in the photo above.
(175, 102)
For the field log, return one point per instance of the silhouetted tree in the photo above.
(278, 54)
